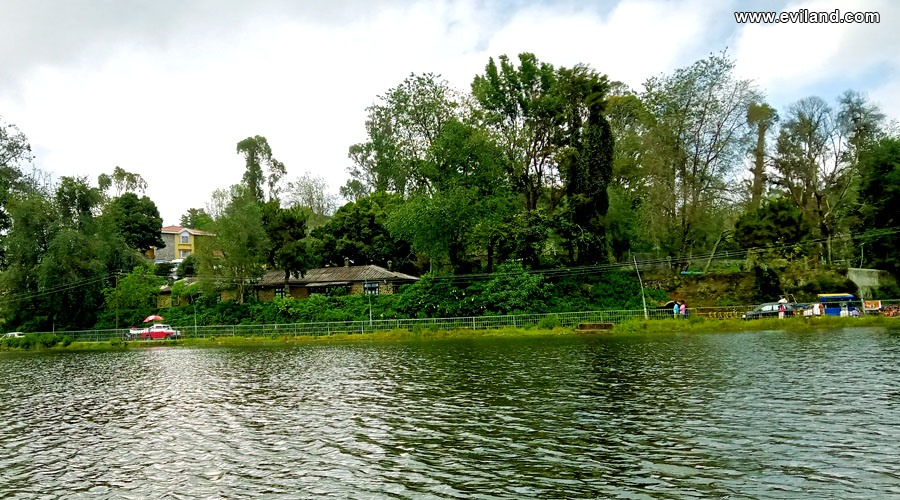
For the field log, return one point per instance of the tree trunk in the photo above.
(713, 253)
(490, 255)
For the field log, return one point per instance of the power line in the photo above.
(551, 273)
(56, 289)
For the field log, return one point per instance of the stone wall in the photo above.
(866, 280)
(168, 251)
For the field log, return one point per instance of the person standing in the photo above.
(676, 310)
(683, 310)
(781, 311)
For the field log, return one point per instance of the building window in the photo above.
(279, 292)
(370, 288)
(185, 237)
(182, 254)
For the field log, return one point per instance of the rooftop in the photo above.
(178, 229)
(324, 276)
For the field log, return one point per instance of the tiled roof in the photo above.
(190, 280)
(323, 276)
(178, 229)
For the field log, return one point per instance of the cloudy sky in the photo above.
(166, 88)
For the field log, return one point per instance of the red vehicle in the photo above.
(160, 331)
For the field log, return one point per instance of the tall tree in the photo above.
(196, 218)
(401, 129)
(629, 188)
(880, 197)
(124, 182)
(15, 151)
(77, 201)
(696, 144)
(358, 231)
(137, 220)
(237, 254)
(811, 165)
(288, 245)
(34, 225)
(587, 162)
(522, 107)
(311, 192)
(258, 154)
(762, 117)
(860, 122)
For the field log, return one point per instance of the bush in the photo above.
(768, 284)
(33, 340)
(549, 322)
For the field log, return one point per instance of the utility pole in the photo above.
(117, 301)
(370, 301)
(643, 298)
(194, 300)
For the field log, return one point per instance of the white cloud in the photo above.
(795, 57)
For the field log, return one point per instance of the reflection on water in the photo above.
(753, 415)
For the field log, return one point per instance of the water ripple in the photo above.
(753, 415)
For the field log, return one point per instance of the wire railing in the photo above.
(315, 329)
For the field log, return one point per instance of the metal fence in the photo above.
(566, 319)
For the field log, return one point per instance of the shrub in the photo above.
(549, 322)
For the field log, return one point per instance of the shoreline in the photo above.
(698, 325)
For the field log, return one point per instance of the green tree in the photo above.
(694, 145)
(311, 192)
(196, 218)
(776, 222)
(137, 220)
(358, 231)
(401, 129)
(236, 255)
(513, 289)
(258, 154)
(14, 147)
(287, 238)
(860, 121)
(632, 179)
(811, 166)
(124, 182)
(763, 117)
(34, 225)
(77, 201)
(437, 225)
(522, 107)
(587, 162)
(187, 267)
(14, 152)
(135, 297)
(72, 274)
(880, 197)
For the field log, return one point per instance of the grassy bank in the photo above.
(703, 325)
(638, 327)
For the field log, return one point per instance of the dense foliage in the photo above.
(481, 190)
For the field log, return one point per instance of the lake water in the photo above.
(750, 415)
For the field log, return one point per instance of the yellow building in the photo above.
(180, 242)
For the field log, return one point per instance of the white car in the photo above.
(14, 335)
